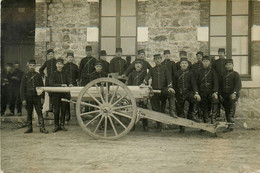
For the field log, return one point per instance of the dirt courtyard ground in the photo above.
(168, 151)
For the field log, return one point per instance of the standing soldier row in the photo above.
(201, 84)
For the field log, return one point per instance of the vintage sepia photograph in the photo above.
(130, 86)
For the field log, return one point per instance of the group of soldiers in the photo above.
(11, 78)
(205, 85)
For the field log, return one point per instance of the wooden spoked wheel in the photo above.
(106, 109)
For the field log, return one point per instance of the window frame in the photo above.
(118, 25)
(244, 77)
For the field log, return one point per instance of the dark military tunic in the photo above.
(96, 75)
(51, 68)
(207, 81)
(117, 65)
(208, 84)
(196, 67)
(136, 78)
(30, 81)
(161, 77)
(86, 67)
(105, 66)
(56, 80)
(170, 65)
(145, 66)
(178, 66)
(219, 66)
(185, 87)
(71, 70)
(17, 76)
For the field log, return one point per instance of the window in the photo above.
(230, 29)
(118, 26)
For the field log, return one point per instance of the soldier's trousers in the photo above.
(34, 101)
(229, 106)
(158, 101)
(59, 109)
(208, 104)
(16, 100)
(171, 100)
(180, 101)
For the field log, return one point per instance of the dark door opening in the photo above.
(17, 31)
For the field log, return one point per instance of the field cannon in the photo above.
(106, 108)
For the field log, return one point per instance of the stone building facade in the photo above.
(62, 25)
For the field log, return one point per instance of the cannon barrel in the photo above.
(138, 92)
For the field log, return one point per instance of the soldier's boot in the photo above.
(62, 123)
(145, 124)
(29, 130)
(194, 113)
(171, 108)
(159, 127)
(182, 129)
(56, 128)
(214, 113)
(42, 129)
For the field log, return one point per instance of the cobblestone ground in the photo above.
(168, 151)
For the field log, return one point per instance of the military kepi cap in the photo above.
(199, 52)
(88, 48)
(157, 56)
(229, 60)
(49, 51)
(119, 50)
(70, 54)
(205, 58)
(183, 52)
(103, 53)
(184, 59)
(221, 50)
(32, 61)
(60, 60)
(98, 63)
(166, 52)
(138, 61)
(140, 51)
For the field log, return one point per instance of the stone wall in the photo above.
(67, 22)
(172, 25)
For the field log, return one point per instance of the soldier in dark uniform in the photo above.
(136, 78)
(59, 79)
(71, 70)
(183, 54)
(98, 73)
(141, 57)
(161, 80)
(50, 64)
(171, 67)
(29, 96)
(105, 64)
(186, 89)
(207, 81)
(230, 87)
(86, 67)
(5, 87)
(17, 76)
(128, 60)
(198, 65)
(219, 66)
(117, 64)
